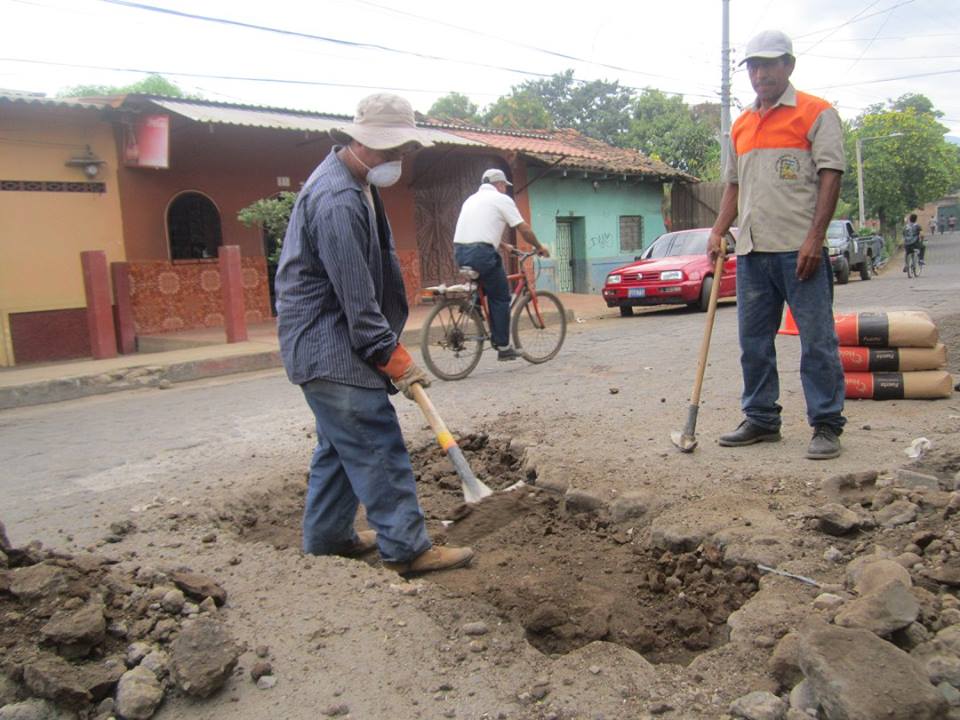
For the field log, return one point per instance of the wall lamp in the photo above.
(88, 162)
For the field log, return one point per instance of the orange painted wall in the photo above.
(233, 166)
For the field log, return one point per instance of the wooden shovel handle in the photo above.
(708, 328)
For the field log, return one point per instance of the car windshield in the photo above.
(692, 242)
(835, 229)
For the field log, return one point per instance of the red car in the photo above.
(674, 270)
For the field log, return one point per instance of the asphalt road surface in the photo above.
(74, 466)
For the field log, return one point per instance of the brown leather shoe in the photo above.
(365, 542)
(436, 558)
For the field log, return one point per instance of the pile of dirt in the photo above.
(568, 577)
(104, 638)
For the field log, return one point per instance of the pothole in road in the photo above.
(568, 578)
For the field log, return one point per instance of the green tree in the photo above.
(598, 109)
(903, 172)
(455, 106)
(272, 215)
(664, 127)
(520, 109)
(150, 85)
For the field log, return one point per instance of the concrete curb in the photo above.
(159, 376)
(132, 378)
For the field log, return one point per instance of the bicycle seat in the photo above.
(469, 272)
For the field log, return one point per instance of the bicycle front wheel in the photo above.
(452, 339)
(539, 326)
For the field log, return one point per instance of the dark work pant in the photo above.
(360, 458)
(483, 258)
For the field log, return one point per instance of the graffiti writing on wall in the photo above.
(600, 241)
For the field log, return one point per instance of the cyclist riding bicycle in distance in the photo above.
(912, 240)
(483, 218)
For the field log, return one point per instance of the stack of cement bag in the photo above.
(892, 356)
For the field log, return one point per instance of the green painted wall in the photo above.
(596, 212)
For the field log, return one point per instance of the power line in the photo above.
(535, 48)
(347, 43)
(859, 17)
(882, 80)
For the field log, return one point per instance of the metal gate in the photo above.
(564, 259)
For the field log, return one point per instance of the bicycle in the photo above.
(454, 332)
(914, 268)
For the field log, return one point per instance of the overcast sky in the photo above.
(849, 51)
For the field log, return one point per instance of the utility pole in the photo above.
(725, 87)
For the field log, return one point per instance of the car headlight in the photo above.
(613, 279)
(671, 275)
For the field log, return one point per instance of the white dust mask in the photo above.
(382, 175)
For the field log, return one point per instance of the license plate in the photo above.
(636, 292)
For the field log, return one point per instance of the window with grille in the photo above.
(631, 233)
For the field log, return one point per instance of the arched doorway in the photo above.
(193, 227)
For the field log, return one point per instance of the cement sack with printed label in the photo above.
(902, 328)
(864, 359)
(924, 384)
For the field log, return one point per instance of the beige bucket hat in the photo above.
(383, 122)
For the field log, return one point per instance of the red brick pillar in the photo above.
(96, 284)
(123, 308)
(231, 280)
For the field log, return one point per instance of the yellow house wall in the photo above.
(43, 233)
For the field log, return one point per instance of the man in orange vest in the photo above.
(783, 179)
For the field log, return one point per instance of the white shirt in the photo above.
(484, 216)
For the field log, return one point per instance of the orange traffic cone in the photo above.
(789, 326)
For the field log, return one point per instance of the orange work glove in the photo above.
(403, 371)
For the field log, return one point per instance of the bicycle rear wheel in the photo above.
(911, 264)
(917, 267)
(452, 339)
(539, 328)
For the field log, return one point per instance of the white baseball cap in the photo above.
(494, 175)
(768, 44)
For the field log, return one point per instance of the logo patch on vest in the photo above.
(788, 167)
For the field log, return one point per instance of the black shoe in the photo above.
(747, 434)
(507, 353)
(825, 443)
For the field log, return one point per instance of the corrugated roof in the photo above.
(571, 149)
(50, 102)
(266, 117)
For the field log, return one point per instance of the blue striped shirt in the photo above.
(341, 303)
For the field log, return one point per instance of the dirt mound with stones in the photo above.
(102, 638)
(872, 620)
(561, 567)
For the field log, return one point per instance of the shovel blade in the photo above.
(686, 439)
(685, 442)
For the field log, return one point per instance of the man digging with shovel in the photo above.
(341, 307)
(783, 175)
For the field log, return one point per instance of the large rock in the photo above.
(882, 611)
(759, 705)
(882, 572)
(204, 655)
(138, 694)
(198, 587)
(632, 506)
(76, 632)
(857, 676)
(53, 678)
(897, 513)
(32, 709)
(38, 581)
(784, 663)
(835, 519)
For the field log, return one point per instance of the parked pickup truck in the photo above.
(848, 251)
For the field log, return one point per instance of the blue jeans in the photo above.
(483, 258)
(764, 282)
(360, 458)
